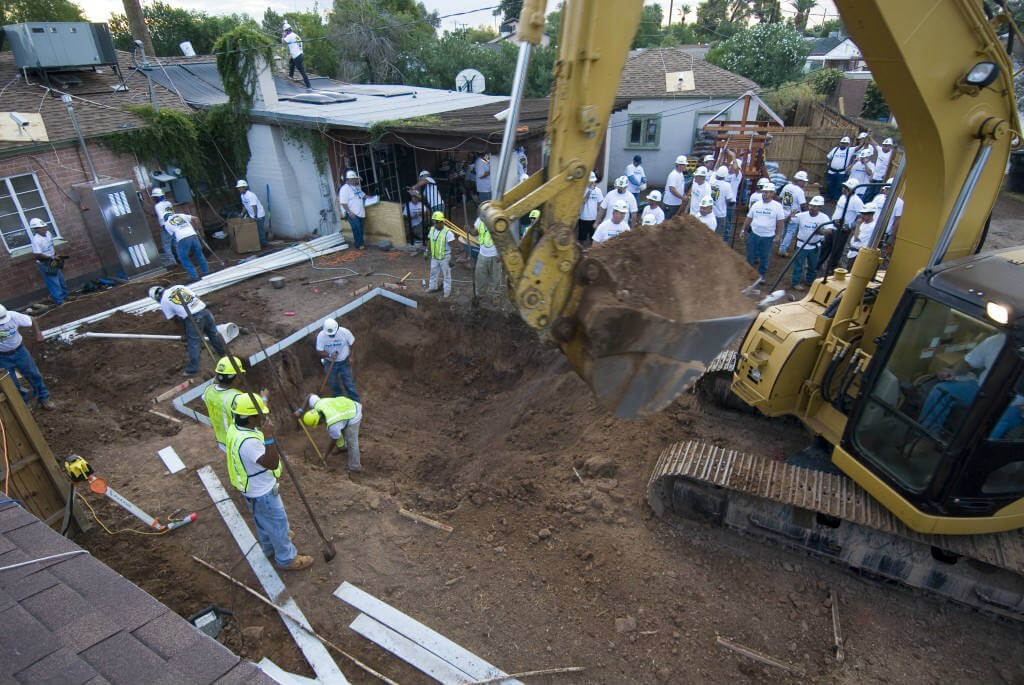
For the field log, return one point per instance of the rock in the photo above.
(374, 501)
(253, 633)
(625, 625)
(601, 467)
(608, 485)
(534, 538)
(787, 566)
(663, 674)
(544, 533)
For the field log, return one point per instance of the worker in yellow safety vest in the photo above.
(218, 396)
(488, 273)
(254, 471)
(341, 416)
(439, 242)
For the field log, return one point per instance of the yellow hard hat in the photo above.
(226, 368)
(242, 405)
(437, 216)
(311, 418)
(535, 214)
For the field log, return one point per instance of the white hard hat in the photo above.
(851, 183)
(330, 326)
(862, 135)
(349, 175)
(621, 182)
(36, 223)
(865, 153)
(721, 172)
(706, 201)
(869, 208)
(621, 206)
(241, 183)
(654, 195)
(4, 314)
(593, 177)
(800, 176)
(709, 158)
(155, 292)
(817, 201)
(424, 173)
(649, 220)
(157, 192)
(701, 171)
(845, 139)
(285, 26)
(888, 141)
(313, 399)
(681, 159)
(766, 183)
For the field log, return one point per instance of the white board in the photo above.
(171, 459)
(408, 651)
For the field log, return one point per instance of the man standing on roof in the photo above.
(51, 267)
(162, 206)
(253, 209)
(14, 356)
(342, 417)
(482, 166)
(427, 187)
(186, 243)
(218, 397)
(440, 239)
(675, 187)
(294, 43)
(592, 197)
(334, 345)
(178, 301)
(352, 200)
(838, 159)
(636, 177)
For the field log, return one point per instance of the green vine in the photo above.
(309, 138)
(241, 53)
(379, 129)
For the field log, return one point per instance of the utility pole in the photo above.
(137, 24)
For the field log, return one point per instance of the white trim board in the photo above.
(171, 459)
(408, 651)
(278, 674)
(316, 654)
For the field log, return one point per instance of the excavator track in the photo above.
(715, 384)
(832, 518)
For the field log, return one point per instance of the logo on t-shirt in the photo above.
(181, 297)
(715, 190)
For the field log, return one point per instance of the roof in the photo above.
(357, 106)
(644, 76)
(98, 107)
(978, 278)
(823, 46)
(73, 619)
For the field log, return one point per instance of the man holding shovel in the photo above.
(178, 301)
(334, 345)
(341, 416)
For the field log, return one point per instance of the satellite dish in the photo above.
(469, 81)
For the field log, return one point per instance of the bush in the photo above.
(768, 54)
(825, 81)
(787, 98)
(875, 106)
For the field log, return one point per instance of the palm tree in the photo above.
(803, 12)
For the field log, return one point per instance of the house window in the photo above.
(21, 200)
(645, 131)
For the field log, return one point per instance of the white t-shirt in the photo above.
(698, 191)
(354, 197)
(335, 429)
(338, 344)
(838, 158)
(897, 211)
(677, 180)
(734, 178)
(431, 195)
(10, 338)
(806, 225)
(294, 44)
(180, 226)
(252, 204)
(483, 183)
(861, 172)
(592, 197)
(721, 193)
(658, 212)
(161, 208)
(608, 229)
(414, 210)
(614, 196)
(792, 196)
(709, 220)
(763, 217)
(43, 244)
(635, 171)
(449, 237)
(261, 479)
(856, 204)
(174, 299)
(882, 159)
(984, 354)
(860, 238)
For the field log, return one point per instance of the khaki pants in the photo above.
(488, 277)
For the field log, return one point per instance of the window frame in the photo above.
(27, 249)
(644, 120)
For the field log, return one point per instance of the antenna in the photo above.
(469, 81)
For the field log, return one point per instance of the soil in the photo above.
(555, 560)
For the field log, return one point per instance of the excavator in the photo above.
(909, 378)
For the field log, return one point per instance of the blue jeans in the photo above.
(272, 526)
(1011, 418)
(759, 249)
(168, 244)
(191, 246)
(356, 222)
(671, 211)
(808, 258)
(941, 400)
(55, 284)
(21, 360)
(261, 229)
(726, 231)
(787, 236)
(341, 375)
(194, 338)
(833, 184)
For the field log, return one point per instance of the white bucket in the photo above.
(228, 331)
(186, 48)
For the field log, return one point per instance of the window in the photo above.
(21, 200)
(645, 131)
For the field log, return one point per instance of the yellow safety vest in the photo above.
(217, 404)
(438, 242)
(336, 409)
(236, 469)
(484, 236)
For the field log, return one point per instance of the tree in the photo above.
(137, 25)
(650, 31)
(718, 19)
(480, 34)
(766, 11)
(373, 38)
(831, 26)
(803, 12)
(875, 106)
(170, 25)
(553, 24)
(769, 54)
(679, 34)
(17, 11)
(509, 10)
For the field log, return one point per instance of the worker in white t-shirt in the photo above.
(417, 212)
(764, 221)
(675, 187)
(863, 168)
(253, 209)
(179, 302)
(861, 234)
(615, 224)
(51, 267)
(883, 160)
(294, 43)
(636, 177)
(352, 200)
(897, 209)
(162, 206)
(808, 238)
(653, 207)
(186, 243)
(707, 213)
(721, 193)
(620, 193)
(334, 346)
(14, 356)
(699, 189)
(482, 167)
(592, 197)
(959, 383)
(762, 183)
(794, 201)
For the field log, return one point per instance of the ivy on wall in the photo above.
(241, 53)
(309, 138)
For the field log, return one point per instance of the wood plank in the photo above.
(282, 676)
(408, 651)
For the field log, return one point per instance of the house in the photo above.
(834, 52)
(671, 94)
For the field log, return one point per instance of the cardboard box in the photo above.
(243, 235)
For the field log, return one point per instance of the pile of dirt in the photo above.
(678, 269)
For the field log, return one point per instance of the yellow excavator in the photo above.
(910, 377)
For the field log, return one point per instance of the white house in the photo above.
(834, 52)
(672, 95)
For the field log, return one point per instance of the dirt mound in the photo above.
(678, 269)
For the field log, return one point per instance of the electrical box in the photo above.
(60, 44)
(119, 229)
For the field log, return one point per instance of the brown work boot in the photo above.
(49, 405)
(300, 561)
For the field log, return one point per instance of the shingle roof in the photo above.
(823, 46)
(74, 620)
(99, 108)
(644, 76)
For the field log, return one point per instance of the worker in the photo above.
(334, 345)
(620, 193)
(254, 472)
(341, 416)
(675, 187)
(487, 276)
(352, 201)
(883, 160)
(179, 301)
(636, 178)
(1012, 418)
(722, 194)
(806, 261)
(532, 219)
(14, 356)
(296, 60)
(218, 397)
(762, 184)
(654, 207)
(162, 206)
(439, 240)
(794, 201)
(482, 167)
(764, 221)
(253, 209)
(738, 185)
(861, 234)
(959, 383)
(838, 158)
(186, 243)
(699, 189)
(427, 186)
(862, 169)
(897, 209)
(844, 217)
(615, 224)
(592, 197)
(648, 220)
(51, 267)
(416, 211)
(707, 213)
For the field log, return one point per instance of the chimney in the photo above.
(265, 93)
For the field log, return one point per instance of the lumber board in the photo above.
(408, 651)
(171, 459)
(282, 676)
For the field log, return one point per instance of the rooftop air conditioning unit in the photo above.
(52, 46)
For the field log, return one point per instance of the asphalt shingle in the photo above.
(644, 76)
(62, 667)
(23, 640)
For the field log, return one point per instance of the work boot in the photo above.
(300, 562)
(189, 373)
